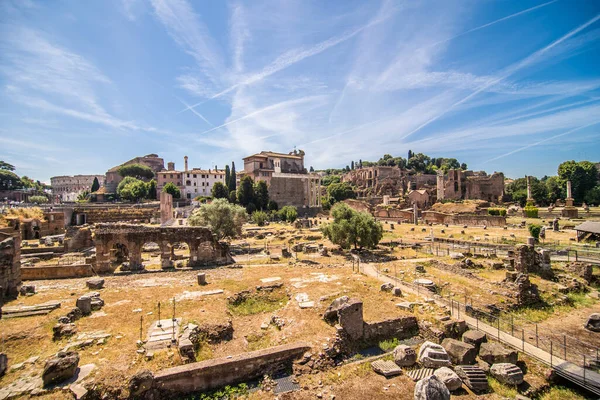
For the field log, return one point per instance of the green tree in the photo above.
(83, 197)
(260, 218)
(352, 228)
(583, 176)
(223, 218)
(352, 165)
(172, 189)
(311, 169)
(9, 180)
(534, 230)
(340, 191)
(227, 176)
(95, 184)
(329, 179)
(592, 197)
(38, 199)
(219, 191)
(27, 182)
(245, 193)
(419, 162)
(463, 166)
(151, 189)
(261, 195)
(6, 166)
(288, 213)
(233, 197)
(517, 191)
(410, 154)
(232, 184)
(132, 189)
(137, 171)
(554, 189)
(272, 206)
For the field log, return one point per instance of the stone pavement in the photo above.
(160, 337)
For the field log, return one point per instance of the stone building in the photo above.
(468, 185)
(421, 197)
(288, 180)
(152, 161)
(199, 182)
(52, 223)
(66, 188)
(10, 266)
(378, 180)
(170, 175)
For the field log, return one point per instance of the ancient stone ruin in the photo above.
(124, 242)
(10, 266)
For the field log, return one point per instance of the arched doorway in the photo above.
(180, 254)
(119, 254)
(151, 255)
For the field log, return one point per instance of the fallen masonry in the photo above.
(473, 377)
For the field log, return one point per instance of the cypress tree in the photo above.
(232, 184)
(95, 185)
(227, 176)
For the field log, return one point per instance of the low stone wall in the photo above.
(212, 374)
(44, 249)
(401, 328)
(56, 272)
(469, 220)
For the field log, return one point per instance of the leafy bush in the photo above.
(38, 199)
(260, 218)
(172, 190)
(352, 228)
(223, 218)
(288, 213)
(497, 211)
(137, 171)
(531, 212)
(534, 230)
(272, 206)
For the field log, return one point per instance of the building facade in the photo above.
(152, 161)
(289, 182)
(67, 188)
(199, 182)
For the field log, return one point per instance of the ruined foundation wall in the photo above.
(112, 214)
(56, 272)
(401, 328)
(10, 266)
(211, 374)
(471, 220)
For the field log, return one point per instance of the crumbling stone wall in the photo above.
(107, 214)
(78, 238)
(204, 248)
(459, 219)
(529, 260)
(10, 266)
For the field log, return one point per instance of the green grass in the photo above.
(262, 302)
(258, 341)
(561, 393)
(228, 392)
(388, 345)
(501, 389)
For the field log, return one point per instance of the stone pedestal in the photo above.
(202, 279)
(570, 212)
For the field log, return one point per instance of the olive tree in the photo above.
(352, 228)
(224, 219)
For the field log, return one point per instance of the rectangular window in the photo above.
(194, 175)
(188, 175)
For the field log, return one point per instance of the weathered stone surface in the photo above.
(140, 383)
(473, 377)
(397, 292)
(330, 313)
(431, 388)
(493, 353)
(60, 331)
(201, 279)
(3, 363)
(27, 290)
(84, 303)
(97, 303)
(60, 367)
(475, 338)
(95, 284)
(350, 316)
(593, 322)
(449, 377)
(218, 332)
(507, 373)
(433, 355)
(404, 356)
(454, 329)
(387, 287)
(460, 352)
(386, 368)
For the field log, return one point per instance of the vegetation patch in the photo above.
(257, 303)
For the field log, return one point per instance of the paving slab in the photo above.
(386, 368)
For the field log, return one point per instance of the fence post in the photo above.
(536, 336)
(565, 346)
(584, 369)
(551, 354)
(498, 328)
(458, 304)
(523, 338)
(512, 326)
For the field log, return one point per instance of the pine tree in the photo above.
(232, 178)
(227, 176)
(95, 185)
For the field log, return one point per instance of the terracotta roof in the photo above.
(265, 154)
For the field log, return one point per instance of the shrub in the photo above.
(260, 218)
(224, 219)
(272, 206)
(38, 199)
(172, 190)
(497, 211)
(531, 212)
(534, 230)
(288, 213)
(352, 228)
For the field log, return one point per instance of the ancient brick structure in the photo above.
(153, 161)
(53, 223)
(528, 260)
(125, 241)
(463, 185)
(66, 188)
(10, 266)
(435, 217)
(378, 180)
(78, 238)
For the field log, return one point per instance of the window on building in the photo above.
(171, 176)
(188, 175)
(194, 175)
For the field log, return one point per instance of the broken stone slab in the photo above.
(271, 279)
(507, 373)
(387, 287)
(27, 290)
(140, 383)
(433, 355)
(201, 279)
(60, 367)
(26, 311)
(95, 283)
(3, 363)
(460, 352)
(473, 377)
(431, 388)
(404, 356)
(330, 313)
(194, 295)
(449, 377)
(84, 303)
(97, 303)
(407, 305)
(474, 338)
(593, 322)
(306, 304)
(60, 331)
(494, 353)
(386, 368)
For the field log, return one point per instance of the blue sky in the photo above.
(510, 86)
